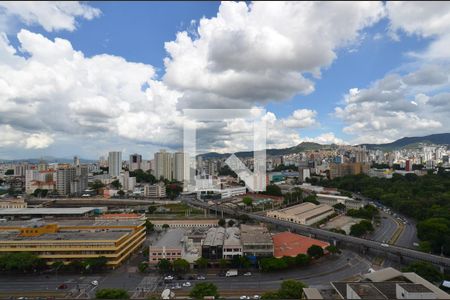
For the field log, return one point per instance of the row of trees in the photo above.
(182, 266)
(424, 198)
(367, 212)
(314, 252)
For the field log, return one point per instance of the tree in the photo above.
(9, 172)
(95, 264)
(223, 263)
(222, 222)
(248, 201)
(230, 223)
(311, 198)
(202, 263)
(315, 251)
(361, 228)
(112, 294)
(151, 209)
(149, 226)
(164, 266)
(96, 185)
(21, 262)
(143, 266)
(291, 289)
(244, 262)
(181, 265)
(273, 190)
(425, 270)
(75, 266)
(40, 192)
(332, 249)
(204, 289)
(339, 206)
(116, 184)
(302, 260)
(121, 193)
(244, 218)
(165, 226)
(270, 296)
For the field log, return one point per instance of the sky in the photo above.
(85, 78)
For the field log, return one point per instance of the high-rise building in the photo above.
(64, 176)
(339, 170)
(115, 163)
(180, 168)
(135, 162)
(164, 165)
(76, 161)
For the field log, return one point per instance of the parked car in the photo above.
(187, 284)
(244, 297)
(62, 286)
(94, 282)
(256, 297)
(248, 274)
(201, 277)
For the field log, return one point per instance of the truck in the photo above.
(231, 273)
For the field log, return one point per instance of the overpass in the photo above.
(329, 235)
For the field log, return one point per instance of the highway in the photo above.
(387, 227)
(358, 242)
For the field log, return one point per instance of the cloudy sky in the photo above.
(86, 78)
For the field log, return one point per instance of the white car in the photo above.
(384, 245)
(248, 274)
(94, 283)
(244, 297)
(187, 284)
(200, 277)
(256, 297)
(176, 287)
(168, 278)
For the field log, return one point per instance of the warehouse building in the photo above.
(256, 241)
(306, 213)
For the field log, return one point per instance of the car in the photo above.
(176, 286)
(201, 277)
(256, 297)
(62, 286)
(187, 284)
(248, 274)
(168, 277)
(244, 297)
(94, 282)
(384, 245)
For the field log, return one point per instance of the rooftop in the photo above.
(70, 223)
(232, 237)
(47, 211)
(173, 238)
(291, 244)
(255, 235)
(414, 288)
(111, 235)
(214, 237)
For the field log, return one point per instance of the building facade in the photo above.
(115, 163)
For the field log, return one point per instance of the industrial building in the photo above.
(333, 200)
(47, 212)
(306, 213)
(212, 246)
(69, 240)
(232, 245)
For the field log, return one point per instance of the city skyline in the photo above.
(382, 76)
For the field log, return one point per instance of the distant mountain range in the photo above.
(406, 142)
(411, 142)
(48, 159)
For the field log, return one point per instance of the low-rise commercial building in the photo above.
(169, 246)
(339, 170)
(232, 245)
(50, 212)
(155, 191)
(256, 241)
(185, 223)
(69, 240)
(212, 246)
(306, 213)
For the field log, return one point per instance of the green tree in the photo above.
(116, 184)
(164, 266)
(202, 263)
(121, 193)
(230, 223)
(97, 185)
(291, 289)
(361, 228)
(248, 201)
(332, 249)
(311, 198)
(437, 232)
(151, 209)
(95, 264)
(223, 263)
(315, 251)
(149, 226)
(425, 270)
(143, 266)
(222, 222)
(112, 294)
(181, 265)
(204, 289)
(340, 206)
(302, 260)
(21, 262)
(165, 226)
(75, 266)
(244, 262)
(270, 296)
(273, 190)
(9, 172)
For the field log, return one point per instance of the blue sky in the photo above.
(389, 55)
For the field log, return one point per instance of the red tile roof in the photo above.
(291, 244)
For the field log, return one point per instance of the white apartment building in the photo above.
(164, 165)
(155, 190)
